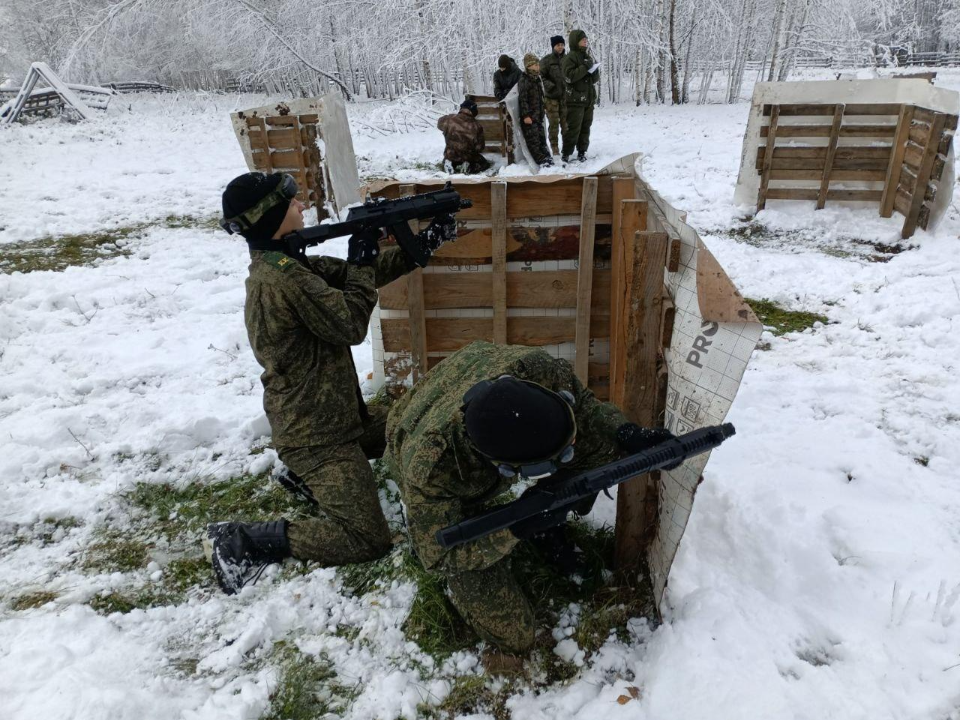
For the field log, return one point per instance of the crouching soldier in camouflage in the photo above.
(485, 418)
(302, 315)
(530, 99)
(464, 140)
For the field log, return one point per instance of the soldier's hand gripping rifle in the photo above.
(555, 500)
(393, 215)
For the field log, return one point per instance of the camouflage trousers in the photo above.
(472, 165)
(579, 120)
(350, 526)
(536, 139)
(493, 604)
(557, 115)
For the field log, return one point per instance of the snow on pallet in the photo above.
(31, 100)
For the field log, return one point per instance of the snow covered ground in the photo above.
(820, 573)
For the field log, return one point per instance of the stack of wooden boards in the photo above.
(308, 138)
(894, 154)
(497, 126)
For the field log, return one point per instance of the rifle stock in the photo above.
(567, 492)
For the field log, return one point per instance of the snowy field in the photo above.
(820, 573)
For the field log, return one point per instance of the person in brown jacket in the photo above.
(465, 142)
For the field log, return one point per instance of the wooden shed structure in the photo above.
(598, 270)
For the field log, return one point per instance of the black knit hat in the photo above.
(557, 40)
(469, 104)
(514, 421)
(504, 62)
(247, 190)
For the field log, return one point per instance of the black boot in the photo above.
(241, 551)
(582, 157)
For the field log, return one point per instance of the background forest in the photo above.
(669, 51)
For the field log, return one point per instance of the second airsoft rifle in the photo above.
(554, 498)
(394, 215)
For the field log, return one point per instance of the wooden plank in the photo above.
(640, 398)
(892, 177)
(913, 155)
(588, 217)
(633, 215)
(451, 334)
(846, 131)
(827, 109)
(923, 177)
(839, 163)
(902, 200)
(920, 133)
(767, 159)
(814, 194)
(498, 202)
(624, 188)
(831, 152)
(667, 321)
(859, 175)
(537, 289)
(853, 152)
(415, 306)
(673, 259)
(908, 179)
(924, 115)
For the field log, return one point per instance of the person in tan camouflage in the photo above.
(302, 315)
(464, 139)
(554, 94)
(530, 99)
(459, 442)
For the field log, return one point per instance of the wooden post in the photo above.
(588, 219)
(498, 220)
(923, 175)
(623, 188)
(640, 393)
(415, 306)
(768, 157)
(896, 160)
(633, 219)
(831, 152)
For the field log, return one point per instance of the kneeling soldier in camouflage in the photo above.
(482, 422)
(302, 315)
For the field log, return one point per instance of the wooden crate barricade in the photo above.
(893, 154)
(497, 126)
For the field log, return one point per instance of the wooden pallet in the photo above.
(497, 126)
(895, 153)
(288, 143)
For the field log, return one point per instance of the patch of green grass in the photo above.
(182, 574)
(781, 321)
(306, 688)
(115, 551)
(57, 253)
(188, 509)
(31, 600)
(126, 601)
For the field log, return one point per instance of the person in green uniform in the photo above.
(302, 315)
(581, 73)
(481, 426)
(554, 91)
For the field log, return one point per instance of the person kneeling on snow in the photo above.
(530, 98)
(487, 418)
(302, 315)
(464, 139)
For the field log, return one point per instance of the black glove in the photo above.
(633, 439)
(364, 248)
(443, 228)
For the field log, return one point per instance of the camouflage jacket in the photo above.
(301, 324)
(463, 134)
(580, 83)
(552, 76)
(530, 97)
(443, 479)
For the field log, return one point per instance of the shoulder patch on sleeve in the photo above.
(279, 261)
